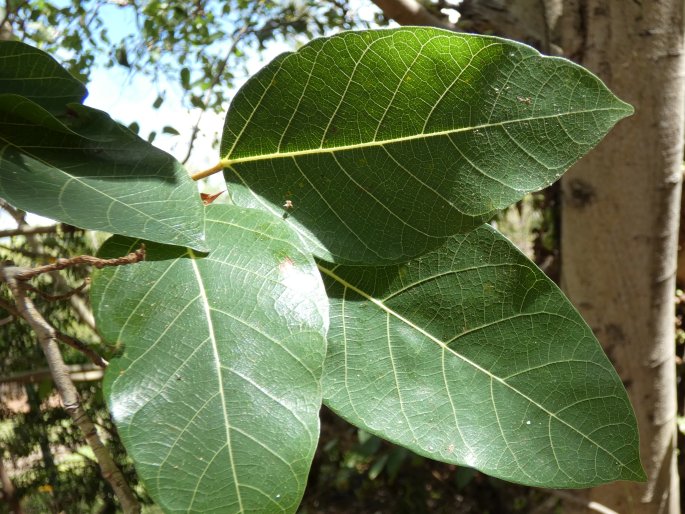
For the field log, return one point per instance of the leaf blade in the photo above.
(471, 355)
(213, 345)
(75, 164)
(410, 131)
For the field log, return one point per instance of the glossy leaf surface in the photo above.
(386, 142)
(217, 394)
(75, 164)
(471, 355)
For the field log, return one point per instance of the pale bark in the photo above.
(411, 12)
(620, 222)
(522, 20)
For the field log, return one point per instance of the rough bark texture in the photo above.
(620, 222)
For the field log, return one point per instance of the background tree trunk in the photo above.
(620, 211)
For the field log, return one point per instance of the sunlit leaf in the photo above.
(389, 141)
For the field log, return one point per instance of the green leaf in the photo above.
(170, 130)
(33, 74)
(75, 164)
(387, 142)
(471, 355)
(185, 78)
(217, 394)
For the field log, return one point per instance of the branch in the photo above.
(59, 297)
(66, 339)
(18, 215)
(60, 264)
(68, 394)
(411, 12)
(27, 231)
(77, 372)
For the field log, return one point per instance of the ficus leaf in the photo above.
(471, 355)
(217, 394)
(75, 164)
(389, 141)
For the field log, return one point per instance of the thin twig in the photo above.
(77, 372)
(70, 398)
(59, 297)
(237, 36)
(60, 264)
(28, 230)
(66, 339)
(18, 215)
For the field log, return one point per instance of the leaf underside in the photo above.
(203, 396)
(75, 164)
(471, 355)
(387, 142)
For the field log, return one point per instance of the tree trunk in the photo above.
(620, 222)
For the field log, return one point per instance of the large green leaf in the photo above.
(471, 355)
(218, 392)
(385, 142)
(75, 164)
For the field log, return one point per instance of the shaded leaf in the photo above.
(216, 397)
(33, 74)
(77, 165)
(390, 141)
(471, 355)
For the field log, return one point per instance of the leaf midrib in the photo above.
(228, 161)
(391, 312)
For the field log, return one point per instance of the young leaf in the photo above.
(75, 164)
(217, 394)
(390, 141)
(471, 355)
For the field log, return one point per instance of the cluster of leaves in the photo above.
(351, 267)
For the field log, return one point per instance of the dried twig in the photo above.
(60, 264)
(47, 338)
